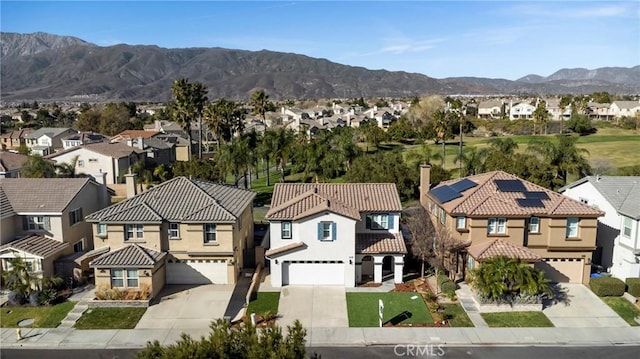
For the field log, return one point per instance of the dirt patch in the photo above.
(405, 287)
(370, 285)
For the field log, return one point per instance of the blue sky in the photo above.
(497, 39)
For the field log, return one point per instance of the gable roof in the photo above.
(113, 150)
(501, 247)
(622, 192)
(21, 133)
(11, 161)
(132, 255)
(292, 201)
(179, 200)
(37, 245)
(49, 131)
(6, 209)
(626, 104)
(488, 199)
(41, 194)
(133, 134)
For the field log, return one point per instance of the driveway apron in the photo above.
(582, 308)
(314, 306)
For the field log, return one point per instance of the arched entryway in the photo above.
(387, 267)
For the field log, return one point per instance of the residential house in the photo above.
(11, 164)
(181, 148)
(182, 231)
(158, 152)
(521, 111)
(134, 135)
(618, 240)
(14, 139)
(114, 159)
(599, 111)
(625, 108)
(42, 220)
(555, 112)
(82, 138)
(46, 140)
(167, 127)
(491, 109)
(335, 234)
(496, 205)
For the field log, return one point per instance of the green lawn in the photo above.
(110, 318)
(456, 315)
(398, 308)
(45, 317)
(264, 302)
(624, 308)
(517, 319)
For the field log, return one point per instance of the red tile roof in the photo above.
(373, 243)
(487, 200)
(502, 247)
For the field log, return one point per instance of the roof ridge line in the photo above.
(213, 199)
(144, 252)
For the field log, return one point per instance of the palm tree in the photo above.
(188, 101)
(261, 104)
(282, 148)
(38, 167)
(225, 118)
(563, 156)
(504, 145)
(18, 278)
(422, 154)
(67, 170)
(540, 115)
(265, 149)
(471, 161)
(441, 127)
(565, 102)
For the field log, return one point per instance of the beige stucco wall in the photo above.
(115, 237)
(182, 153)
(155, 281)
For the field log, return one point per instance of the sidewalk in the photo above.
(137, 338)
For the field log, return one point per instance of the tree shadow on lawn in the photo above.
(398, 319)
(560, 295)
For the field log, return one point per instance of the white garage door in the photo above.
(197, 271)
(313, 273)
(562, 270)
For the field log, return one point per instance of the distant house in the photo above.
(521, 111)
(625, 108)
(181, 231)
(11, 164)
(42, 219)
(491, 109)
(82, 138)
(133, 135)
(555, 112)
(335, 234)
(618, 237)
(14, 139)
(501, 214)
(46, 140)
(114, 159)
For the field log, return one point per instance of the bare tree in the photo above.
(431, 244)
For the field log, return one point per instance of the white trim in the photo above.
(39, 214)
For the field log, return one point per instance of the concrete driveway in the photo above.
(579, 307)
(314, 306)
(193, 307)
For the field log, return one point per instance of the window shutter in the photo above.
(390, 219)
(25, 223)
(333, 231)
(47, 223)
(319, 230)
(80, 215)
(368, 222)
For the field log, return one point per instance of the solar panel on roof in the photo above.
(463, 185)
(536, 194)
(445, 193)
(510, 186)
(529, 202)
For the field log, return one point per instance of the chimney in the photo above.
(425, 183)
(101, 179)
(130, 180)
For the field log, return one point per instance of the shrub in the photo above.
(442, 278)
(34, 298)
(607, 286)
(448, 287)
(633, 286)
(15, 298)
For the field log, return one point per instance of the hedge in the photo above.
(448, 287)
(607, 286)
(633, 286)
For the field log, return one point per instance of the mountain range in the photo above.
(43, 66)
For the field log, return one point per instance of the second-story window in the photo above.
(286, 230)
(102, 229)
(133, 231)
(174, 230)
(327, 231)
(497, 226)
(379, 221)
(626, 227)
(37, 223)
(534, 225)
(75, 216)
(572, 227)
(209, 233)
(461, 222)
(443, 216)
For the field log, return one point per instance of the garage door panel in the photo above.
(562, 270)
(196, 272)
(312, 273)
